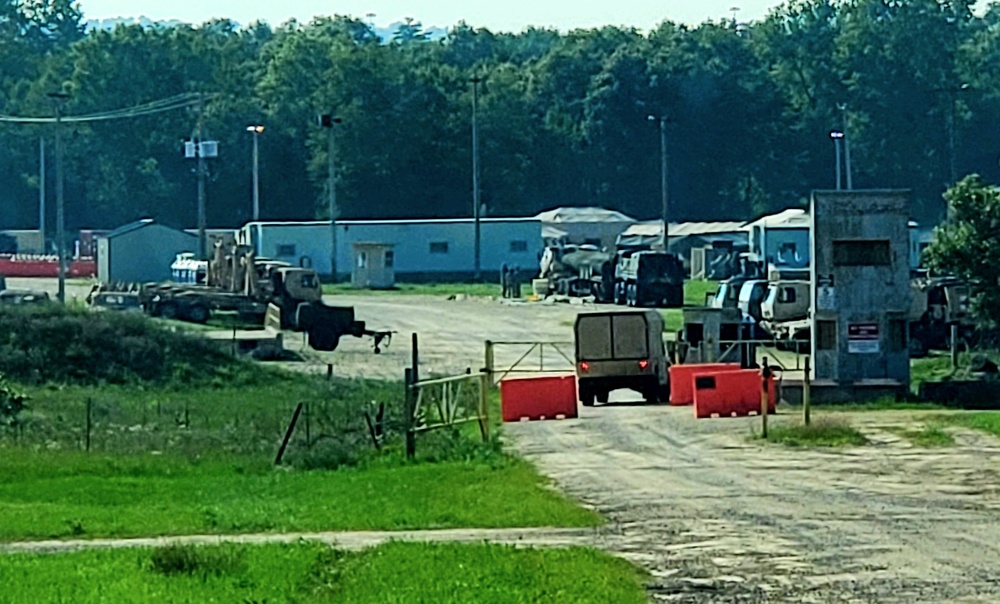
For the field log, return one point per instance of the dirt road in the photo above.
(717, 518)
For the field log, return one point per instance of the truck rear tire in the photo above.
(602, 397)
(167, 310)
(586, 396)
(198, 313)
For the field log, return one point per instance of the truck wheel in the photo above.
(325, 340)
(587, 397)
(651, 396)
(167, 310)
(602, 397)
(198, 313)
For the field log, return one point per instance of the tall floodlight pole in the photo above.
(476, 207)
(41, 190)
(847, 148)
(60, 98)
(256, 131)
(837, 136)
(202, 169)
(330, 122)
(664, 187)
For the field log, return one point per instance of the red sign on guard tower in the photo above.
(863, 338)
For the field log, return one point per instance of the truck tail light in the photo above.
(643, 364)
(585, 366)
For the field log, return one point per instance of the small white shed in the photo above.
(374, 266)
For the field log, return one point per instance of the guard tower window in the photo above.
(787, 295)
(390, 258)
(826, 335)
(518, 246)
(286, 249)
(863, 252)
(439, 247)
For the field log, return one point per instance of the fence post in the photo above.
(806, 394)
(764, 402)
(489, 361)
(329, 372)
(415, 359)
(288, 434)
(409, 399)
(484, 405)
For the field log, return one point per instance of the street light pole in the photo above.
(330, 122)
(202, 169)
(60, 98)
(475, 178)
(664, 187)
(256, 131)
(847, 149)
(837, 136)
(41, 190)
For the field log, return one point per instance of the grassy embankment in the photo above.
(182, 440)
(397, 572)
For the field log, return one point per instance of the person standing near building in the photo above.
(504, 281)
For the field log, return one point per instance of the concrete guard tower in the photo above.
(861, 294)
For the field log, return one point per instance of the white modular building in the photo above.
(423, 250)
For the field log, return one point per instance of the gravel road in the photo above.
(718, 518)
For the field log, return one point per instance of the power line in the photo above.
(154, 107)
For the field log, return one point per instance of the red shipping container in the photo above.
(731, 393)
(682, 384)
(535, 398)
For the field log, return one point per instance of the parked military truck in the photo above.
(238, 282)
(648, 278)
(621, 350)
(936, 305)
(579, 271)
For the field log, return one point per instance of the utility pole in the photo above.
(837, 136)
(60, 98)
(664, 186)
(256, 131)
(475, 178)
(41, 190)
(330, 122)
(200, 153)
(847, 149)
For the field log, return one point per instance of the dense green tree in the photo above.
(968, 244)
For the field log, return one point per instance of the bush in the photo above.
(53, 343)
(196, 561)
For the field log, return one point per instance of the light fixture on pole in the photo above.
(847, 146)
(664, 190)
(60, 98)
(330, 122)
(837, 136)
(256, 131)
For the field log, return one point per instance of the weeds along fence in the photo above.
(340, 421)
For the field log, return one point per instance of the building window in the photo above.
(826, 335)
(286, 249)
(863, 252)
(390, 258)
(518, 246)
(787, 295)
(362, 260)
(439, 247)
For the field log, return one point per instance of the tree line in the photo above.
(564, 118)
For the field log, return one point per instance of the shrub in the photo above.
(196, 561)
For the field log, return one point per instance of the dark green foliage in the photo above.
(12, 403)
(563, 117)
(968, 245)
(54, 344)
(196, 561)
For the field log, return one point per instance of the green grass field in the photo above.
(62, 495)
(928, 437)
(284, 574)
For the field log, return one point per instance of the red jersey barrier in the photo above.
(682, 380)
(731, 393)
(538, 398)
(45, 266)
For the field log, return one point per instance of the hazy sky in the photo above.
(501, 15)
